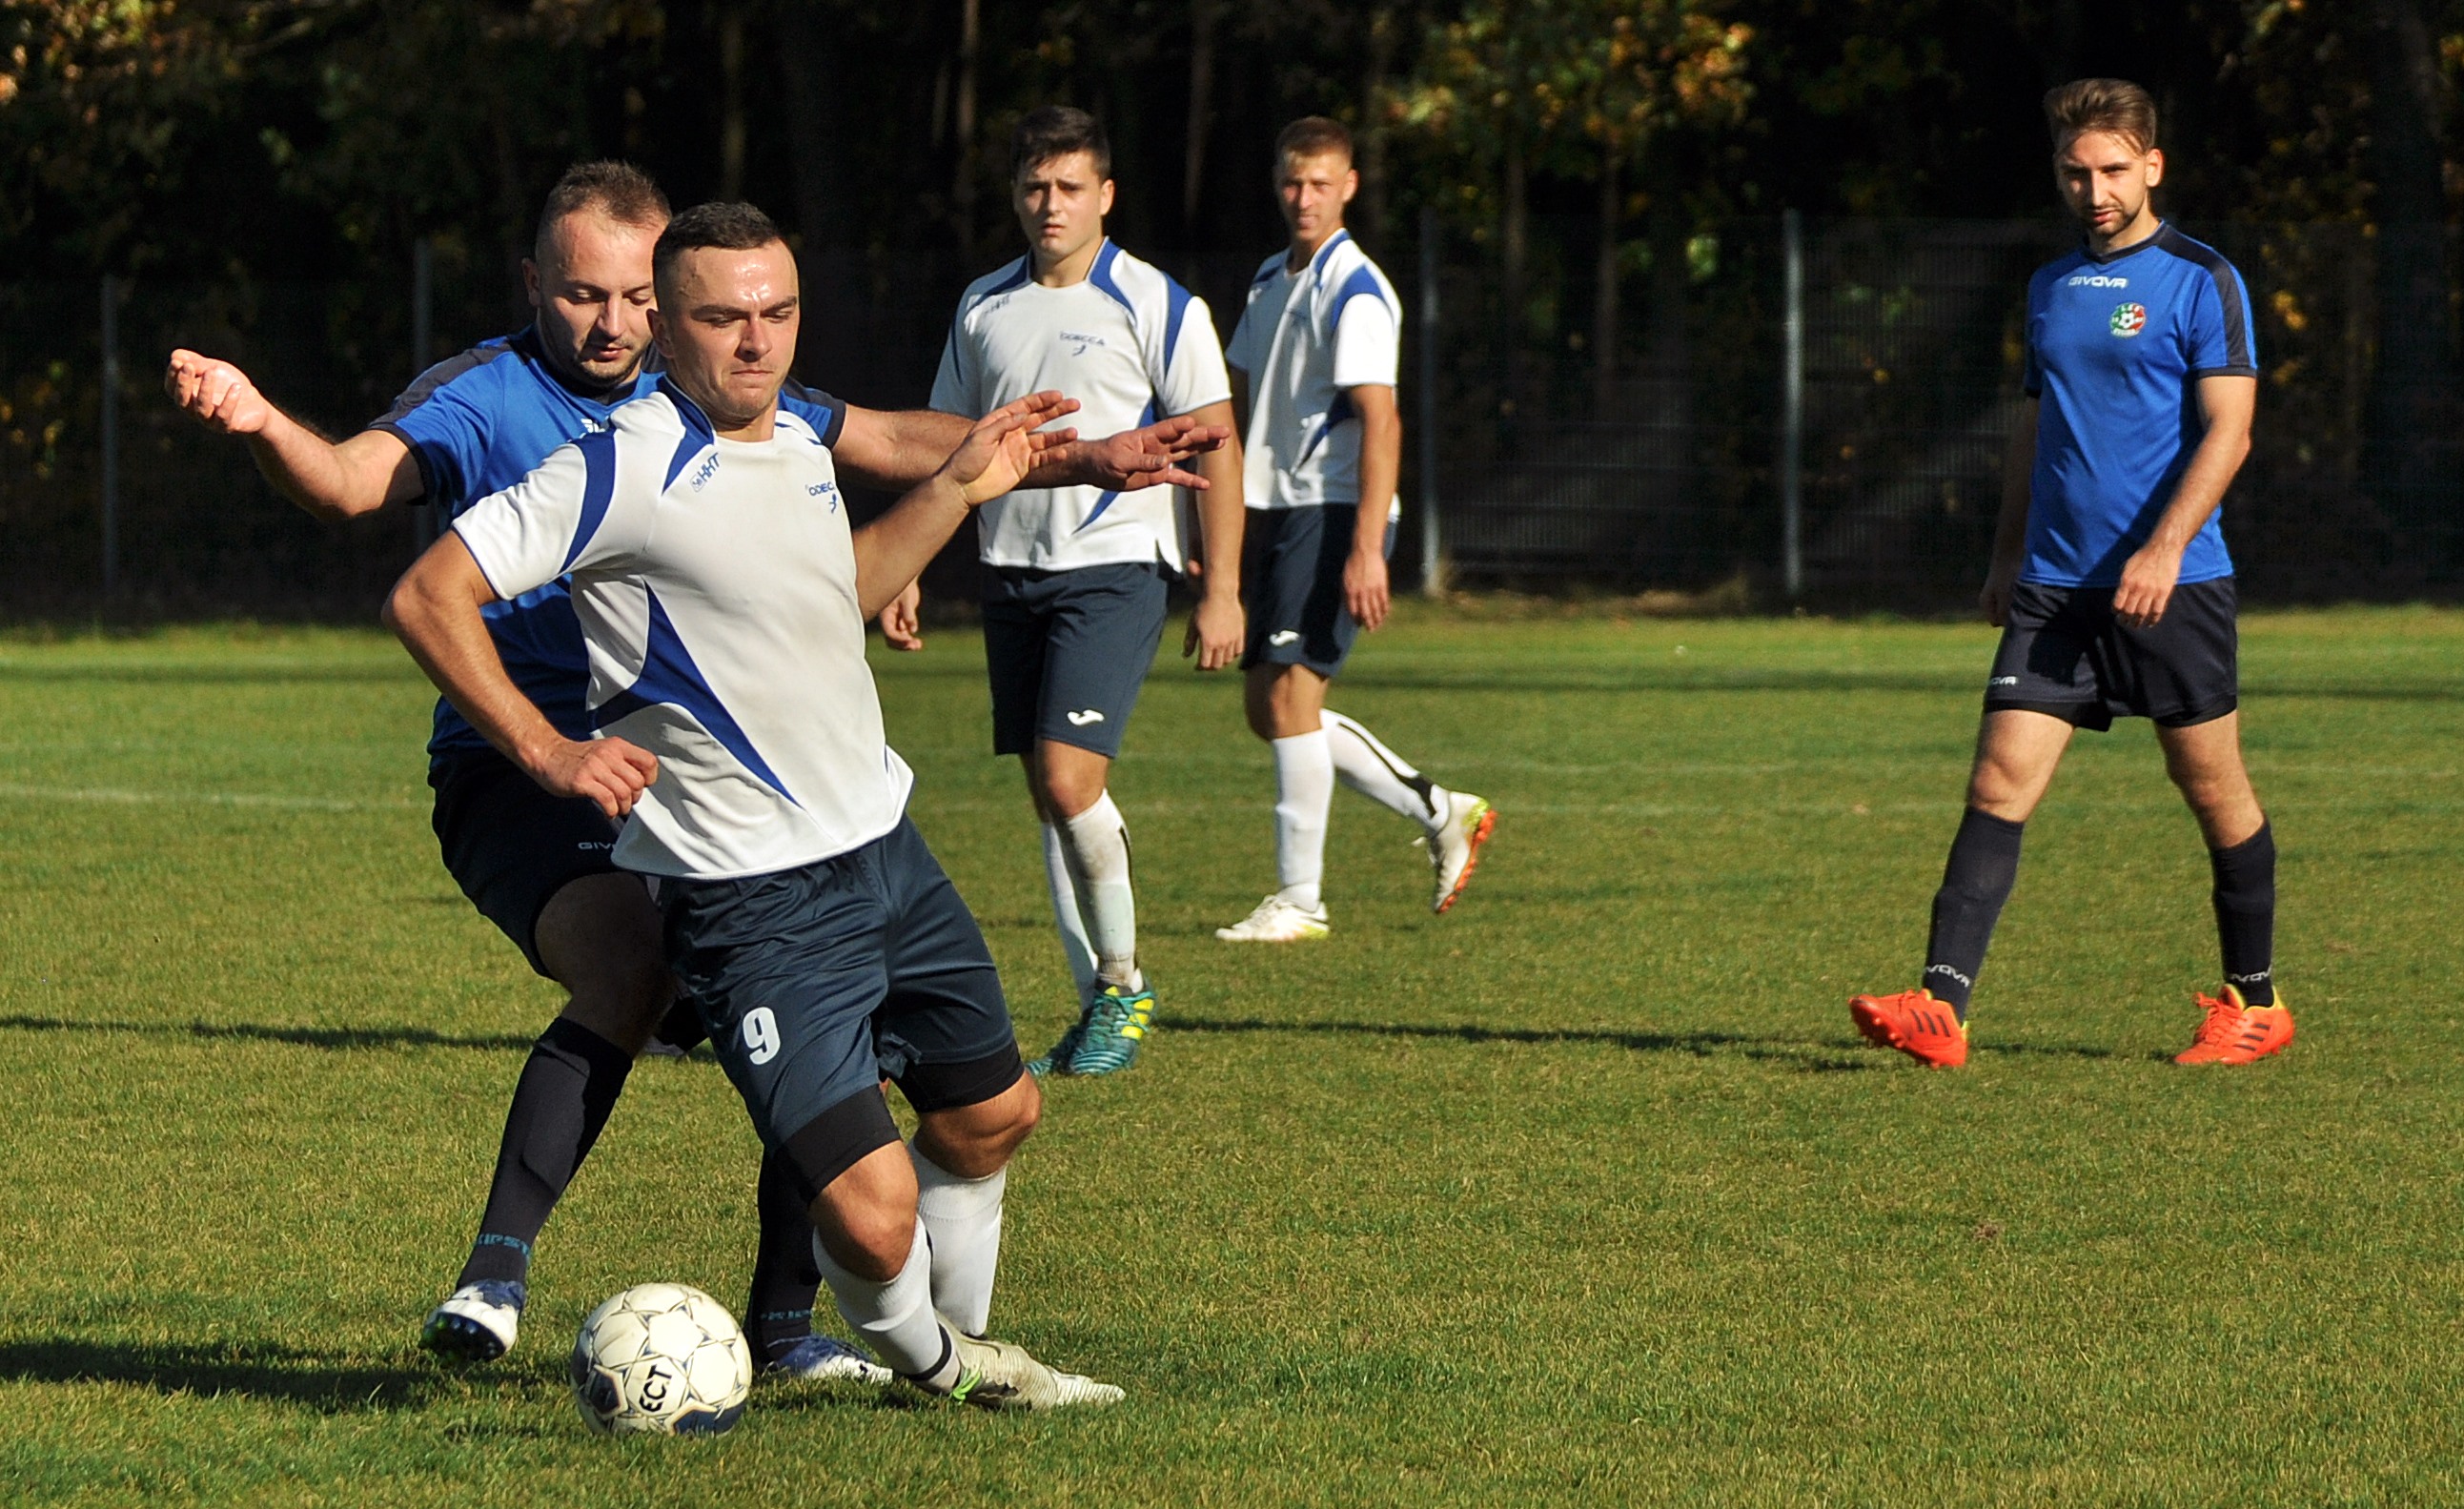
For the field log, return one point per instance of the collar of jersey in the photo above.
(525, 343)
(2143, 244)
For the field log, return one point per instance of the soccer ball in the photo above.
(665, 1359)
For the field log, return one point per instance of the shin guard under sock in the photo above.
(2245, 900)
(561, 1104)
(779, 1314)
(1984, 862)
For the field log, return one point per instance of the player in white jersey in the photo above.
(1317, 349)
(1075, 578)
(722, 599)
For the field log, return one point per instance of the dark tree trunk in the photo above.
(962, 180)
(1515, 248)
(2408, 463)
(1369, 212)
(1202, 15)
(1604, 291)
(731, 100)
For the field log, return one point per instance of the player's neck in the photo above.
(2140, 226)
(1066, 271)
(752, 431)
(1303, 253)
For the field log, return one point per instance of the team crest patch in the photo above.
(2130, 319)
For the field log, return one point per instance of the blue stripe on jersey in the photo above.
(1019, 273)
(1101, 275)
(699, 436)
(1337, 413)
(668, 676)
(825, 414)
(1176, 307)
(597, 451)
(1325, 256)
(1361, 282)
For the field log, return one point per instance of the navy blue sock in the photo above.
(2245, 898)
(1984, 862)
(561, 1106)
(779, 1312)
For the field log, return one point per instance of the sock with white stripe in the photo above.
(1075, 945)
(964, 1219)
(1381, 775)
(1304, 790)
(895, 1319)
(1095, 846)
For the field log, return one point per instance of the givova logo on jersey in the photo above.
(2128, 320)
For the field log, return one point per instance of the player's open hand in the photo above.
(216, 393)
(1364, 588)
(2146, 587)
(997, 453)
(608, 771)
(902, 627)
(1152, 456)
(1216, 631)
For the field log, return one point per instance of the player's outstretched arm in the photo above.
(330, 480)
(894, 450)
(893, 549)
(2148, 578)
(2011, 526)
(1365, 590)
(1158, 454)
(434, 609)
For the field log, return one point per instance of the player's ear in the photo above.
(1103, 201)
(2155, 166)
(530, 281)
(659, 333)
(1350, 182)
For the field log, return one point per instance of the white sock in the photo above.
(1095, 845)
(1075, 947)
(1381, 775)
(1304, 790)
(895, 1318)
(963, 1218)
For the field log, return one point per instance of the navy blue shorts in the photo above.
(1291, 585)
(815, 983)
(511, 845)
(1067, 652)
(2063, 654)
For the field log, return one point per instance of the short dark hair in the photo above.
(619, 190)
(1311, 135)
(2116, 105)
(729, 227)
(1057, 131)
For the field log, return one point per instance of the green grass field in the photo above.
(1585, 1192)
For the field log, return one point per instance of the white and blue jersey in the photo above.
(2115, 345)
(481, 421)
(1305, 338)
(714, 584)
(1127, 341)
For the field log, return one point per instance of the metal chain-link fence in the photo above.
(1665, 465)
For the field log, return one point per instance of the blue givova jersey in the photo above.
(476, 424)
(2116, 347)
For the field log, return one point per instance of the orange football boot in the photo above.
(2236, 1033)
(1916, 1024)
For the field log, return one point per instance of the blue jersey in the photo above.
(476, 424)
(2116, 346)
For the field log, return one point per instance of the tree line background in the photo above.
(1574, 155)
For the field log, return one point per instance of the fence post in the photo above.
(422, 306)
(110, 428)
(1432, 571)
(1791, 409)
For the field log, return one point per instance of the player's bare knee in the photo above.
(978, 1141)
(869, 1238)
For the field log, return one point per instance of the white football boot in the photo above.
(476, 1323)
(825, 1359)
(1454, 848)
(1006, 1377)
(1277, 921)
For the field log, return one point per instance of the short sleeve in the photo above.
(564, 517)
(953, 386)
(446, 431)
(2220, 324)
(1242, 350)
(1193, 372)
(1368, 341)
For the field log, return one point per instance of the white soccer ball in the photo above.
(665, 1359)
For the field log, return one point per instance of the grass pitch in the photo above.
(1585, 1192)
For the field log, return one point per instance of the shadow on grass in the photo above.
(336, 1038)
(1808, 1055)
(326, 1384)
